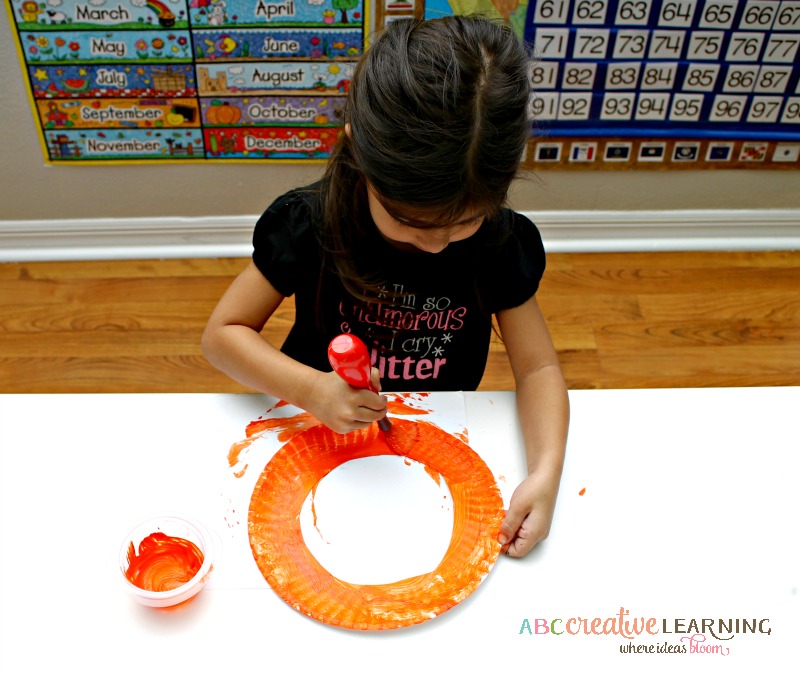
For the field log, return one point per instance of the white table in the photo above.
(690, 512)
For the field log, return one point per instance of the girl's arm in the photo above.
(232, 342)
(543, 409)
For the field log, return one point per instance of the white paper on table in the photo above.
(378, 520)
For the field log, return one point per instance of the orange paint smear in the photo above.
(163, 563)
(297, 577)
(314, 511)
(399, 407)
(400, 404)
(256, 427)
(236, 450)
(433, 474)
(582, 491)
(288, 428)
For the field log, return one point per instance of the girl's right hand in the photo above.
(344, 408)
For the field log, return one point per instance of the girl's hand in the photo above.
(343, 408)
(529, 515)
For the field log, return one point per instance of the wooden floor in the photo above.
(618, 321)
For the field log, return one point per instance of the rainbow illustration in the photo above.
(165, 17)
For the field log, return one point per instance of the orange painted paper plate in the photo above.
(298, 578)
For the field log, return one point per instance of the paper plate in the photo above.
(298, 578)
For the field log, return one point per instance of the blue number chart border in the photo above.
(741, 81)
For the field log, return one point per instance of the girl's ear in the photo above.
(347, 130)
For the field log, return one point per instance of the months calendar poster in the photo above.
(187, 80)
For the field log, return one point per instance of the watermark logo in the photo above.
(704, 636)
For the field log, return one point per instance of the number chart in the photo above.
(664, 83)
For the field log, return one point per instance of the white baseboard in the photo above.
(126, 238)
(680, 230)
(562, 231)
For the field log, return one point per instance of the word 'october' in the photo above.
(618, 625)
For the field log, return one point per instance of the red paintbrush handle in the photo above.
(350, 359)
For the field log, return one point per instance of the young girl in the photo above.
(405, 243)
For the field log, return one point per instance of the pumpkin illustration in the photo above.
(321, 119)
(223, 113)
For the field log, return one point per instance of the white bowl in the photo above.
(175, 525)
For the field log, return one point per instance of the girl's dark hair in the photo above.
(438, 121)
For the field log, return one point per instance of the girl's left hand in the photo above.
(529, 515)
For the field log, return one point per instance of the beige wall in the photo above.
(31, 190)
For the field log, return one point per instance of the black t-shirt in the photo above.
(431, 330)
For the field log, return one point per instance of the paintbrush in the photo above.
(349, 358)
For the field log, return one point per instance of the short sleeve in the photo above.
(280, 242)
(514, 272)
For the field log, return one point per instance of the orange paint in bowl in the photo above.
(163, 563)
(171, 562)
